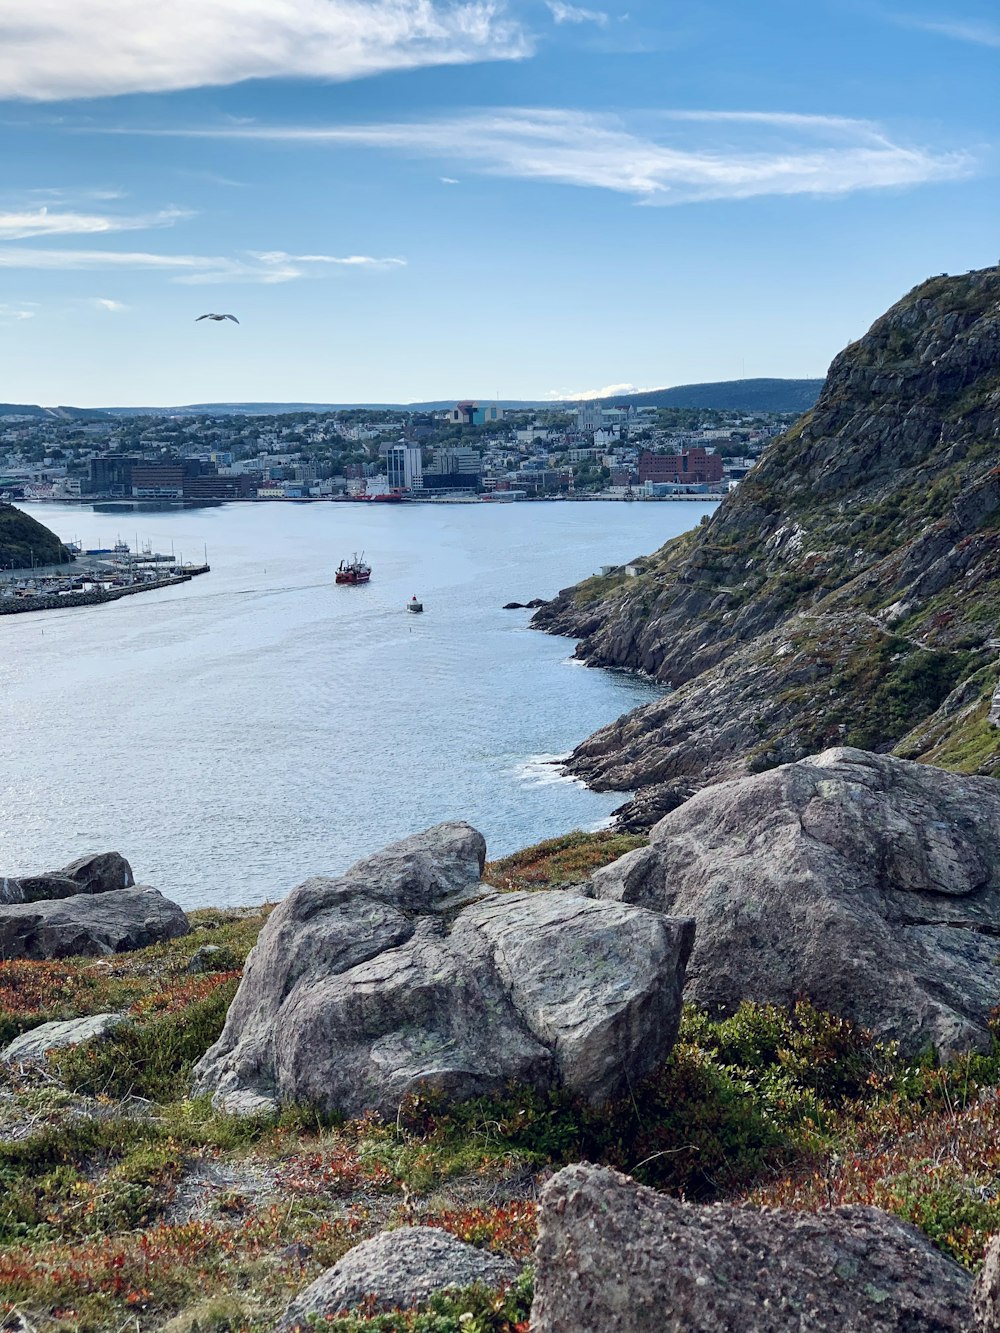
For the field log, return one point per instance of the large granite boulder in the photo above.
(396, 1270)
(408, 971)
(866, 883)
(90, 925)
(103, 872)
(32, 1047)
(615, 1257)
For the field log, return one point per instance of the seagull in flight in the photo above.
(217, 317)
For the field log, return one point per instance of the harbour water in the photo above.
(236, 734)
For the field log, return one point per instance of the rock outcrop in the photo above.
(847, 592)
(869, 884)
(103, 872)
(407, 971)
(615, 1257)
(89, 925)
(396, 1270)
(32, 1047)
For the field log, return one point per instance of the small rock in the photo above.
(32, 1047)
(397, 1270)
(208, 958)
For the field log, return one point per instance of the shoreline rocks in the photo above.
(90, 927)
(101, 872)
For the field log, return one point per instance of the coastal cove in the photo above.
(239, 733)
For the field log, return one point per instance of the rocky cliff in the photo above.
(847, 592)
(23, 541)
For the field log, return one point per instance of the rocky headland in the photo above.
(848, 592)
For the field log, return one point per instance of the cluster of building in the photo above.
(468, 450)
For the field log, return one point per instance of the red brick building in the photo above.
(695, 467)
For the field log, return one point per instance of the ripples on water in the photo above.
(238, 733)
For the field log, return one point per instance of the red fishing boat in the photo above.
(354, 571)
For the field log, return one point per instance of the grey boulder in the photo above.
(407, 971)
(90, 925)
(615, 1257)
(868, 884)
(103, 872)
(396, 1270)
(32, 1047)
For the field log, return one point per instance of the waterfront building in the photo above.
(404, 466)
(695, 466)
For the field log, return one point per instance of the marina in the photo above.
(94, 575)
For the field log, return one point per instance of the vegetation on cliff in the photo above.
(124, 1203)
(25, 542)
(848, 591)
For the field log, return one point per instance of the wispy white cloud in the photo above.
(961, 30)
(271, 266)
(12, 313)
(30, 223)
(684, 157)
(449, 180)
(581, 395)
(563, 13)
(107, 303)
(53, 49)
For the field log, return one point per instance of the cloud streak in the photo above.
(563, 13)
(272, 266)
(686, 157)
(31, 223)
(582, 395)
(55, 49)
(960, 30)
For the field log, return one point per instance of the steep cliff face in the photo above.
(848, 591)
(23, 541)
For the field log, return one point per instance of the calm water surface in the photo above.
(238, 733)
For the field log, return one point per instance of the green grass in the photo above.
(558, 861)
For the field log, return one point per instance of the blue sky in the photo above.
(414, 199)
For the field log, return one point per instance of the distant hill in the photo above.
(732, 395)
(23, 541)
(23, 410)
(763, 395)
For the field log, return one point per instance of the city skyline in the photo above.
(404, 201)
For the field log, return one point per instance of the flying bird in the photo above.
(232, 317)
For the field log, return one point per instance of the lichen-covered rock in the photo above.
(33, 1046)
(407, 971)
(396, 1270)
(986, 1293)
(615, 1257)
(88, 924)
(103, 872)
(866, 883)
